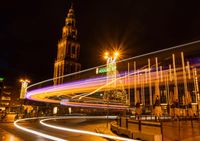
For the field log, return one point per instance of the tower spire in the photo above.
(68, 49)
(72, 5)
(69, 29)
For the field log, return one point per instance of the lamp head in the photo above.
(106, 55)
(116, 54)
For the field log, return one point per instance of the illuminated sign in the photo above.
(110, 67)
(1, 78)
(101, 70)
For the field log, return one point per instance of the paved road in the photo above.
(10, 133)
(171, 130)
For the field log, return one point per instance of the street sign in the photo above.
(101, 70)
(110, 67)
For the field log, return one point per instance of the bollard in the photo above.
(191, 122)
(120, 122)
(139, 125)
(117, 120)
(126, 122)
(161, 125)
(179, 129)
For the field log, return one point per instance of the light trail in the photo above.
(135, 57)
(34, 131)
(93, 105)
(95, 83)
(83, 86)
(105, 85)
(67, 88)
(86, 87)
(43, 119)
(83, 131)
(160, 51)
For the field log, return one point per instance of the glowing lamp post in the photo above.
(111, 75)
(24, 87)
(111, 66)
(111, 59)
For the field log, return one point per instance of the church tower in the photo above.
(68, 49)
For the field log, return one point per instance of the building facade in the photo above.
(68, 49)
(9, 98)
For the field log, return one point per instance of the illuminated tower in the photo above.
(68, 49)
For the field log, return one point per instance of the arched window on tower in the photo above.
(73, 49)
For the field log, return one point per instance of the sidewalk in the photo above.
(196, 138)
(182, 131)
(105, 130)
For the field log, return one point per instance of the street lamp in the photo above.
(24, 84)
(111, 74)
(111, 58)
(111, 66)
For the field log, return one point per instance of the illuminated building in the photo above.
(8, 97)
(68, 49)
(5, 95)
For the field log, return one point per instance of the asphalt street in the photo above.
(173, 131)
(10, 133)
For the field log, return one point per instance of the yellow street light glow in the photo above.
(106, 57)
(116, 54)
(26, 80)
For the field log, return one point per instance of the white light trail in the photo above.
(159, 51)
(82, 131)
(34, 131)
(107, 85)
(135, 57)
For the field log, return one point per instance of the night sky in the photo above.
(30, 30)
